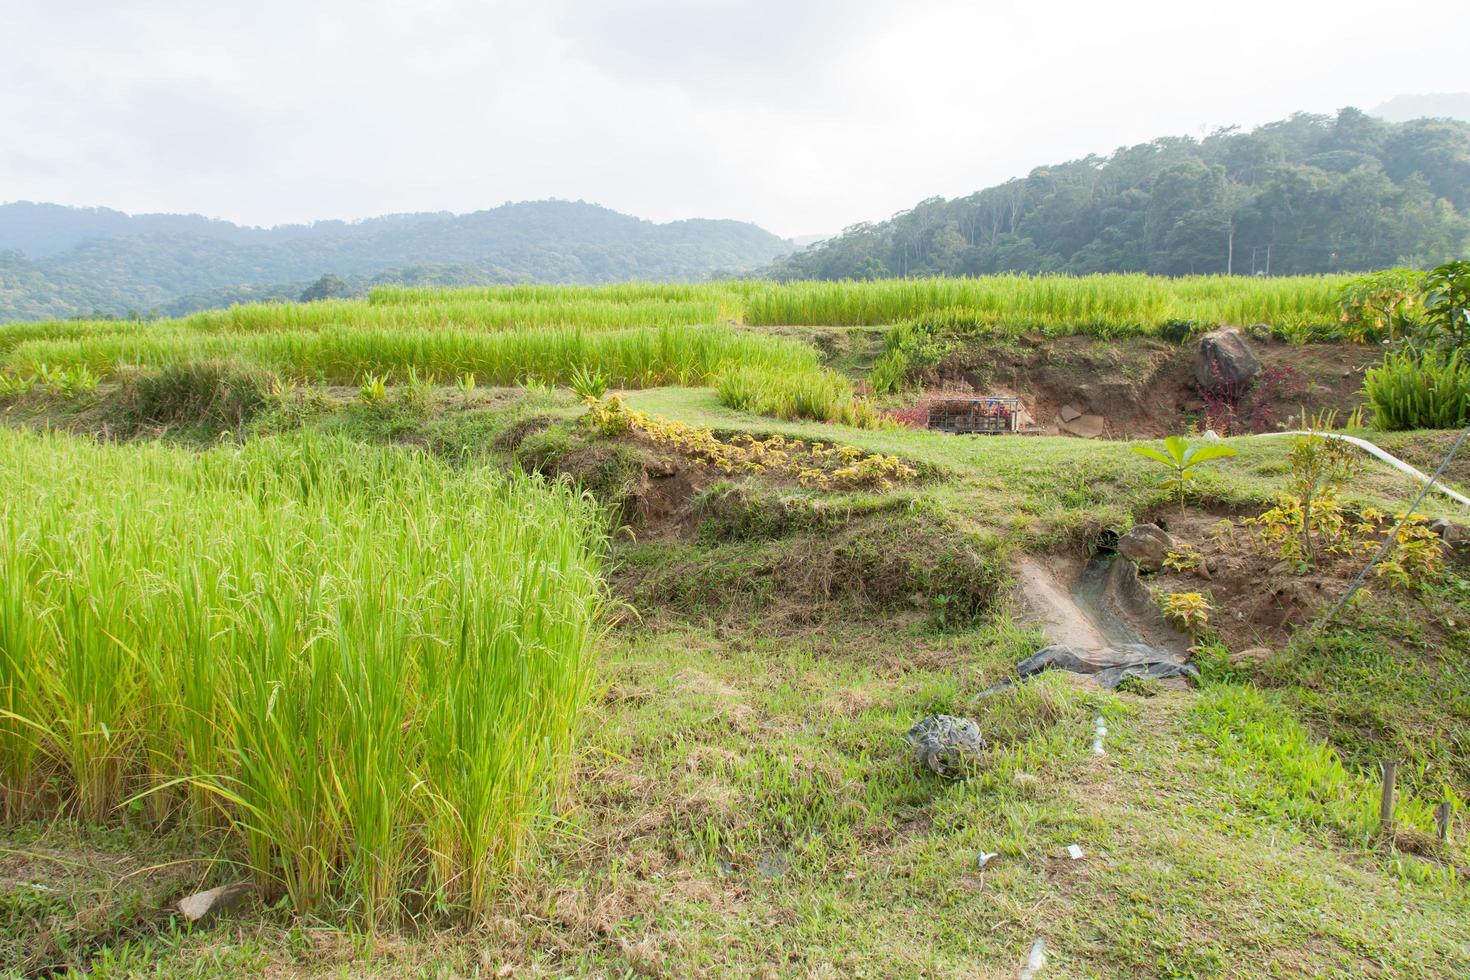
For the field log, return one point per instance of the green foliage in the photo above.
(634, 358)
(1190, 611)
(1420, 390)
(1324, 194)
(910, 348)
(1320, 466)
(373, 391)
(814, 393)
(1298, 776)
(588, 383)
(106, 265)
(210, 394)
(1381, 304)
(1447, 307)
(1098, 305)
(360, 667)
(1181, 458)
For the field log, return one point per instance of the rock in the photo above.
(1451, 533)
(1251, 656)
(1086, 426)
(1069, 412)
(1147, 545)
(215, 900)
(1224, 359)
(1260, 331)
(945, 743)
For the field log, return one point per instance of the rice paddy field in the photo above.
(575, 631)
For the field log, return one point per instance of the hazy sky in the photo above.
(801, 116)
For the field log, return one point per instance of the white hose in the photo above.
(1373, 450)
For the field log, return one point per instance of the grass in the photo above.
(625, 358)
(816, 393)
(362, 669)
(752, 807)
(1102, 305)
(357, 657)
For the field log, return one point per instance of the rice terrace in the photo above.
(410, 568)
(565, 629)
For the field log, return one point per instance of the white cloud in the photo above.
(803, 117)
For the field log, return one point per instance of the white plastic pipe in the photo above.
(1373, 450)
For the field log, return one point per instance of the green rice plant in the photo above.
(638, 358)
(1427, 390)
(1104, 305)
(813, 393)
(361, 670)
(465, 384)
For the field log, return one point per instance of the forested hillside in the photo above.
(57, 262)
(1307, 194)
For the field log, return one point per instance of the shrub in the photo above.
(1426, 390)
(209, 394)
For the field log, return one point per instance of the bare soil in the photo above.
(1145, 388)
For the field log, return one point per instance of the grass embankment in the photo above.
(354, 671)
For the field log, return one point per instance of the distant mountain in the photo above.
(1436, 105)
(57, 261)
(1309, 194)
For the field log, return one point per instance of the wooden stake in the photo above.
(1442, 820)
(1385, 803)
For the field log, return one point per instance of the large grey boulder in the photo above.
(946, 744)
(1225, 359)
(1147, 545)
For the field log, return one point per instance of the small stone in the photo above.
(946, 744)
(214, 901)
(1147, 545)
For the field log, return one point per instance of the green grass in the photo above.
(815, 393)
(361, 668)
(1040, 490)
(751, 806)
(1103, 305)
(626, 358)
(1420, 391)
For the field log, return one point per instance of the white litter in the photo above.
(985, 858)
(1035, 960)
(1074, 852)
(1097, 737)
